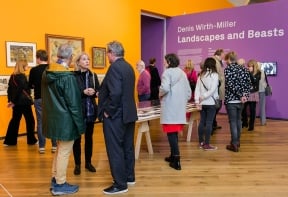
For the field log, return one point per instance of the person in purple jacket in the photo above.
(143, 83)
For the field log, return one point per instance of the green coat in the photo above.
(62, 117)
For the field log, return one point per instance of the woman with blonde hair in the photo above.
(19, 99)
(192, 76)
(255, 75)
(89, 86)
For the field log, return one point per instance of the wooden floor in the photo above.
(259, 169)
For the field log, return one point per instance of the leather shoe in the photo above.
(232, 147)
(250, 129)
(90, 167)
(77, 170)
(168, 159)
(115, 190)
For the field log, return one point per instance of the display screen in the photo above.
(270, 68)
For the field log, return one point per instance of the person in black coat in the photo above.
(89, 86)
(117, 110)
(155, 81)
(20, 100)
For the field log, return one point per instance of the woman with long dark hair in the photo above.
(206, 94)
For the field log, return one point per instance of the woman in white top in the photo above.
(206, 93)
(262, 97)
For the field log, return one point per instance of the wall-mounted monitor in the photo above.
(270, 68)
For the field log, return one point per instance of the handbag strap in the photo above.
(24, 91)
(266, 78)
(207, 89)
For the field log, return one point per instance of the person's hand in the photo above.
(200, 99)
(10, 104)
(243, 99)
(198, 106)
(89, 91)
(106, 115)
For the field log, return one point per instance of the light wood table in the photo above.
(152, 113)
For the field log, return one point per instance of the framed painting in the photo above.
(98, 57)
(54, 41)
(4, 79)
(20, 50)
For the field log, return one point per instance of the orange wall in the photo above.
(97, 21)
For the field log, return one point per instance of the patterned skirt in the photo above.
(254, 97)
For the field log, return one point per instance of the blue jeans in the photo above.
(41, 137)
(234, 111)
(207, 115)
(262, 106)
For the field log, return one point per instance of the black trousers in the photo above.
(88, 145)
(13, 127)
(173, 142)
(217, 110)
(119, 140)
(252, 110)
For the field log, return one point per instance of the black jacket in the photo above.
(255, 81)
(93, 83)
(116, 95)
(18, 90)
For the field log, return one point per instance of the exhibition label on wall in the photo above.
(257, 31)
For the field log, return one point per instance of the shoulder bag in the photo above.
(217, 101)
(268, 89)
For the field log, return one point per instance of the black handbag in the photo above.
(268, 89)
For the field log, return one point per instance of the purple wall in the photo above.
(152, 35)
(257, 31)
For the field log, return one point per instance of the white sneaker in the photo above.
(131, 182)
(41, 150)
(54, 148)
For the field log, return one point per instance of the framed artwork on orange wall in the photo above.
(20, 50)
(54, 41)
(98, 57)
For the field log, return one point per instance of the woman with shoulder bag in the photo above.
(20, 100)
(255, 75)
(89, 86)
(206, 94)
(262, 96)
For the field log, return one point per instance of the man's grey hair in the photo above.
(64, 51)
(116, 48)
(141, 63)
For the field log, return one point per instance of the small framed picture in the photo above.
(4, 79)
(98, 57)
(20, 50)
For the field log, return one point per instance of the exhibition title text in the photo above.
(196, 35)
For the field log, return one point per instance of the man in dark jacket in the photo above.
(35, 77)
(117, 110)
(62, 116)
